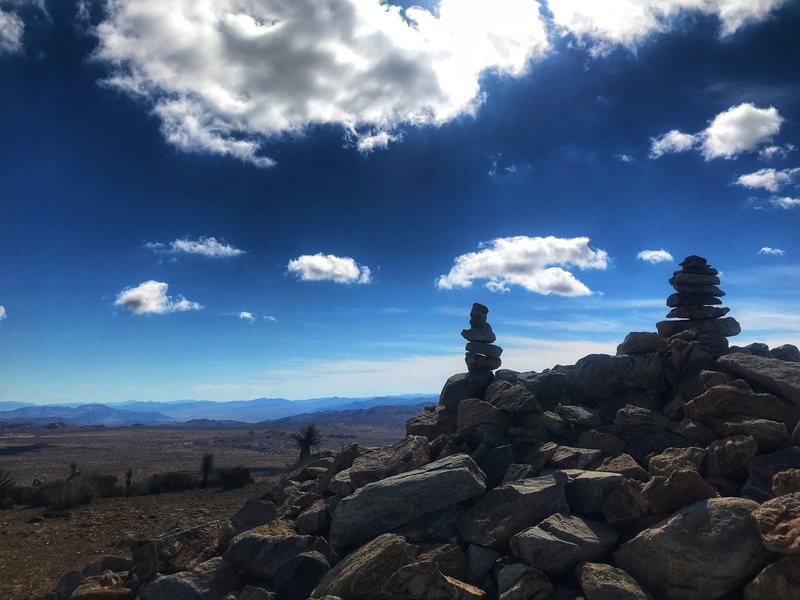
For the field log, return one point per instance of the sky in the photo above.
(231, 199)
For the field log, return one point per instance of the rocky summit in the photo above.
(670, 471)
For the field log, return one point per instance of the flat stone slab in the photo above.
(777, 376)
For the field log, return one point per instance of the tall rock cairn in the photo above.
(482, 354)
(694, 303)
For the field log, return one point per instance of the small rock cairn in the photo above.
(694, 304)
(482, 354)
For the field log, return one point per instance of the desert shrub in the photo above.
(234, 477)
(7, 486)
(58, 494)
(307, 437)
(161, 483)
(128, 481)
(102, 485)
(205, 468)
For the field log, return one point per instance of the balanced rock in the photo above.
(693, 307)
(482, 354)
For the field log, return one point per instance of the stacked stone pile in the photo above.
(694, 303)
(638, 476)
(482, 354)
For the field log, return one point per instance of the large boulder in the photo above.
(187, 585)
(703, 552)
(472, 412)
(763, 467)
(642, 342)
(562, 541)
(431, 422)
(780, 579)
(406, 455)
(602, 377)
(343, 460)
(297, 578)
(511, 398)
(253, 514)
(729, 456)
(387, 504)
(777, 376)
(361, 575)
(586, 491)
(424, 581)
(462, 386)
(778, 522)
(604, 582)
(510, 508)
(727, 399)
(667, 494)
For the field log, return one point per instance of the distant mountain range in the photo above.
(196, 411)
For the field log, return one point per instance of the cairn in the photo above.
(482, 354)
(695, 305)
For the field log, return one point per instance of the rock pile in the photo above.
(695, 303)
(482, 354)
(637, 476)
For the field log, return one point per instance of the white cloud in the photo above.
(247, 316)
(741, 128)
(327, 267)
(785, 203)
(626, 158)
(204, 246)
(270, 318)
(151, 297)
(527, 262)
(768, 179)
(672, 142)
(224, 76)
(604, 25)
(11, 30)
(655, 256)
(772, 251)
(770, 152)
(2, 312)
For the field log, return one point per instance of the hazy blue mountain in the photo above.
(86, 414)
(11, 405)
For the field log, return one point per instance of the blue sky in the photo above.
(239, 198)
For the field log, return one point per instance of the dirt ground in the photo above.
(34, 552)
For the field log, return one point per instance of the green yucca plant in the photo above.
(7, 485)
(205, 468)
(307, 437)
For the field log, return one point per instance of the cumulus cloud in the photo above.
(11, 30)
(327, 267)
(534, 263)
(604, 25)
(785, 203)
(770, 152)
(772, 251)
(204, 246)
(741, 128)
(655, 256)
(247, 316)
(224, 76)
(672, 142)
(2, 312)
(768, 179)
(151, 297)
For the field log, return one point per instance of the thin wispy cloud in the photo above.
(741, 128)
(2, 312)
(655, 256)
(12, 29)
(786, 203)
(774, 152)
(536, 264)
(772, 251)
(328, 267)
(151, 297)
(204, 246)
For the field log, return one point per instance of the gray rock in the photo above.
(624, 464)
(727, 326)
(317, 516)
(562, 541)
(361, 574)
(777, 376)
(250, 592)
(601, 377)
(641, 441)
(788, 352)
(424, 581)
(495, 464)
(769, 435)
(511, 398)
(222, 576)
(343, 460)
(450, 558)
(762, 468)
(186, 585)
(253, 514)
(586, 491)
(479, 362)
(431, 423)
(406, 455)
(298, 577)
(512, 507)
(610, 444)
(521, 582)
(341, 484)
(780, 579)
(567, 457)
(580, 416)
(679, 559)
(625, 504)
(480, 561)
(634, 416)
(472, 412)
(778, 523)
(684, 278)
(667, 494)
(785, 482)
(684, 299)
(676, 459)
(479, 333)
(695, 431)
(642, 342)
(462, 386)
(730, 399)
(729, 456)
(604, 582)
(435, 528)
(387, 504)
(698, 312)
(117, 564)
(67, 584)
(485, 349)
